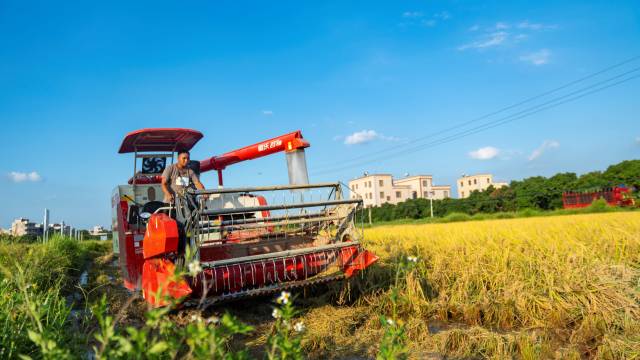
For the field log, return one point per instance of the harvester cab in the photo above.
(234, 242)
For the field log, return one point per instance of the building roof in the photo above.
(474, 175)
(413, 177)
(370, 175)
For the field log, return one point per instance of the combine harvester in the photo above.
(615, 196)
(236, 242)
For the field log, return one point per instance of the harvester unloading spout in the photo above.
(243, 241)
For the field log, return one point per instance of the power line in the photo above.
(530, 99)
(510, 118)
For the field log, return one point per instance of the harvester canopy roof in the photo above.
(161, 139)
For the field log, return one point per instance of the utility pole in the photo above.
(431, 193)
(45, 226)
(370, 223)
(62, 228)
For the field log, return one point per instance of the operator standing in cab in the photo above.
(178, 177)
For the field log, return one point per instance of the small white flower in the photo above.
(412, 259)
(195, 317)
(283, 298)
(195, 268)
(277, 314)
(299, 326)
(390, 322)
(213, 320)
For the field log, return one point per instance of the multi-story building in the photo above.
(22, 227)
(378, 189)
(469, 183)
(56, 228)
(98, 230)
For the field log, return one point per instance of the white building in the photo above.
(22, 227)
(377, 189)
(98, 230)
(469, 183)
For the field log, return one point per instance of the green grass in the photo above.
(35, 280)
(597, 207)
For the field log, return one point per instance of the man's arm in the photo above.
(166, 179)
(196, 181)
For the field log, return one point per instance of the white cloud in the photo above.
(491, 40)
(365, 136)
(546, 145)
(19, 177)
(537, 58)
(484, 153)
(267, 112)
(412, 14)
(535, 27)
(361, 137)
(443, 15)
(508, 33)
(418, 18)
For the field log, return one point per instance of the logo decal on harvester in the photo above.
(269, 145)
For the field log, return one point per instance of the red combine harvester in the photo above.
(236, 242)
(615, 196)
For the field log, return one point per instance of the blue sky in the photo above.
(355, 77)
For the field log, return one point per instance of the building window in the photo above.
(488, 181)
(426, 195)
(469, 182)
(388, 198)
(398, 194)
(414, 194)
(381, 194)
(461, 183)
(370, 184)
(475, 181)
(462, 194)
(381, 182)
(424, 183)
(370, 196)
(446, 193)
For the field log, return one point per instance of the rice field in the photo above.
(565, 287)
(557, 287)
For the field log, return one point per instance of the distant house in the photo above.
(378, 189)
(22, 227)
(469, 183)
(98, 230)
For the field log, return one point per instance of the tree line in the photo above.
(538, 192)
